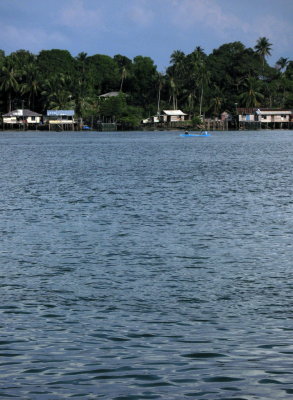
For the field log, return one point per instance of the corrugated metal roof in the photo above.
(282, 112)
(22, 113)
(110, 94)
(265, 111)
(173, 112)
(60, 112)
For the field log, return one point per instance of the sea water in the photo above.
(144, 265)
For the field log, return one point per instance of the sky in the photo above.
(151, 28)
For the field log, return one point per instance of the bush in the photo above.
(197, 121)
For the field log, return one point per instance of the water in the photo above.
(146, 266)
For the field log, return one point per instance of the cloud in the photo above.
(279, 32)
(140, 13)
(215, 19)
(33, 38)
(76, 15)
(207, 13)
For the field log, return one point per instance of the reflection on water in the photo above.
(146, 266)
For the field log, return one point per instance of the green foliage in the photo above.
(55, 61)
(263, 48)
(103, 73)
(251, 95)
(196, 83)
(130, 120)
(117, 110)
(113, 107)
(143, 90)
(196, 121)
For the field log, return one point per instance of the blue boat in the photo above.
(204, 134)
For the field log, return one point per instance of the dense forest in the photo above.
(196, 83)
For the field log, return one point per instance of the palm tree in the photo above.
(174, 91)
(177, 72)
(217, 104)
(190, 101)
(263, 48)
(124, 74)
(57, 91)
(177, 57)
(61, 99)
(203, 77)
(198, 53)
(81, 69)
(124, 66)
(160, 82)
(282, 63)
(80, 87)
(81, 58)
(8, 81)
(280, 88)
(31, 84)
(251, 96)
(217, 100)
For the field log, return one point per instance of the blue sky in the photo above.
(153, 28)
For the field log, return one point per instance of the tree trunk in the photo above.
(159, 101)
(9, 102)
(201, 96)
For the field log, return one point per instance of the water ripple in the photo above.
(140, 266)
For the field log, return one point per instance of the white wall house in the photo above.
(22, 116)
(167, 116)
(173, 116)
(263, 115)
(275, 116)
(151, 120)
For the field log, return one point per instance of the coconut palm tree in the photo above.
(124, 74)
(177, 58)
(124, 65)
(81, 59)
(263, 48)
(177, 72)
(216, 101)
(217, 104)
(251, 95)
(160, 83)
(81, 84)
(32, 84)
(198, 53)
(8, 81)
(202, 76)
(174, 92)
(57, 91)
(61, 100)
(282, 63)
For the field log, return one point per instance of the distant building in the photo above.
(173, 116)
(109, 94)
(167, 116)
(151, 120)
(22, 116)
(226, 116)
(60, 117)
(264, 115)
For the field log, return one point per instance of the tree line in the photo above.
(198, 83)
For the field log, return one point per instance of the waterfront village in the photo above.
(231, 88)
(251, 118)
